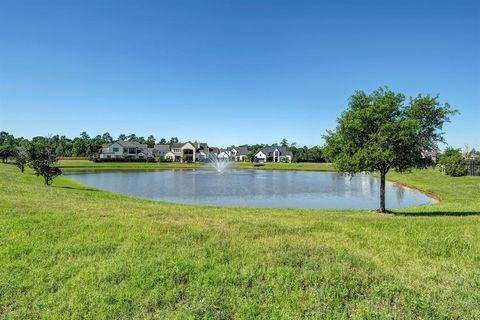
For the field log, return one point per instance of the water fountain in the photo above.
(218, 164)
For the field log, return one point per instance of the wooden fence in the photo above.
(73, 158)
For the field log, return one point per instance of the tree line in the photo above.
(81, 146)
(86, 146)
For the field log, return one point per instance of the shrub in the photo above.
(453, 162)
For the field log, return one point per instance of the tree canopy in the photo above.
(381, 131)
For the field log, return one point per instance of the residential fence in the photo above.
(472, 168)
(73, 158)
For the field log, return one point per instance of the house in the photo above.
(274, 154)
(223, 155)
(201, 151)
(170, 156)
(161, 150)
(183, 152)
(121, 149)
(237, 153)
(146, 154)
(176, 152)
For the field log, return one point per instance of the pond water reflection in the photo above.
(260, 188)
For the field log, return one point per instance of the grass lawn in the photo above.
(69, 251)
(85, 165)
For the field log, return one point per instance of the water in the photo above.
(270, 189)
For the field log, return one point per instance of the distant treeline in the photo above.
(86, 146)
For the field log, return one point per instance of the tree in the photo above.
(378, 132)
(8, 145)
(316, 154)
(95, 146)
(21, 158)
(150, 141)
(253, 152)
(163, 141)
(122, 137)
(284, 143)
(42, 158)
(107, 137)
(84, 136)
(173, 140)
(64, 147)
(454, 162)
(80, 146)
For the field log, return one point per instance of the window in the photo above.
(115, 149)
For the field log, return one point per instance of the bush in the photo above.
(453, 162)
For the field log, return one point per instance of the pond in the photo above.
(260, 188)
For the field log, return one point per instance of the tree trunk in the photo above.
(382, 192)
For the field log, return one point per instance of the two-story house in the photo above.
(274, 154)
(237, 153)
(122, 149)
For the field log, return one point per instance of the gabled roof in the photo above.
(268, 151)
(241, 151)
(202, 146)
(162, 147)
(177, 145)
(146, 152)
(131, 144)
(214, 149)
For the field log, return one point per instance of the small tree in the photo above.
(42, 158)
(253, 152)
(379, 132)
(454, 162)
(21, 159)
(8, 145)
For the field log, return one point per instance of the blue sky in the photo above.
(229, 72)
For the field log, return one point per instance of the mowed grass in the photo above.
(68, 251)
(85, 165)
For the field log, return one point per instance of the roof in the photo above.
(241, 151)
(202, 146)
(214, 149)
(268, 151)
(162, 147)
(177, 145)
(131, 144)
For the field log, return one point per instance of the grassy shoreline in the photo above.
(85, 165)
(69, 251)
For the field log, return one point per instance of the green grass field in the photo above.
(69, 251)
(85, 165)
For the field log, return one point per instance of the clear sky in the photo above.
(229, 72)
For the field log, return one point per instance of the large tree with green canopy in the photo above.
(382, 131)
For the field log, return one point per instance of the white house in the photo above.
(120, 149)
(170, 156)
(176, 152)
(274, 154)
(146, 154)
(160, 150)
(223, 155)
(184, 152)
(237, 153)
